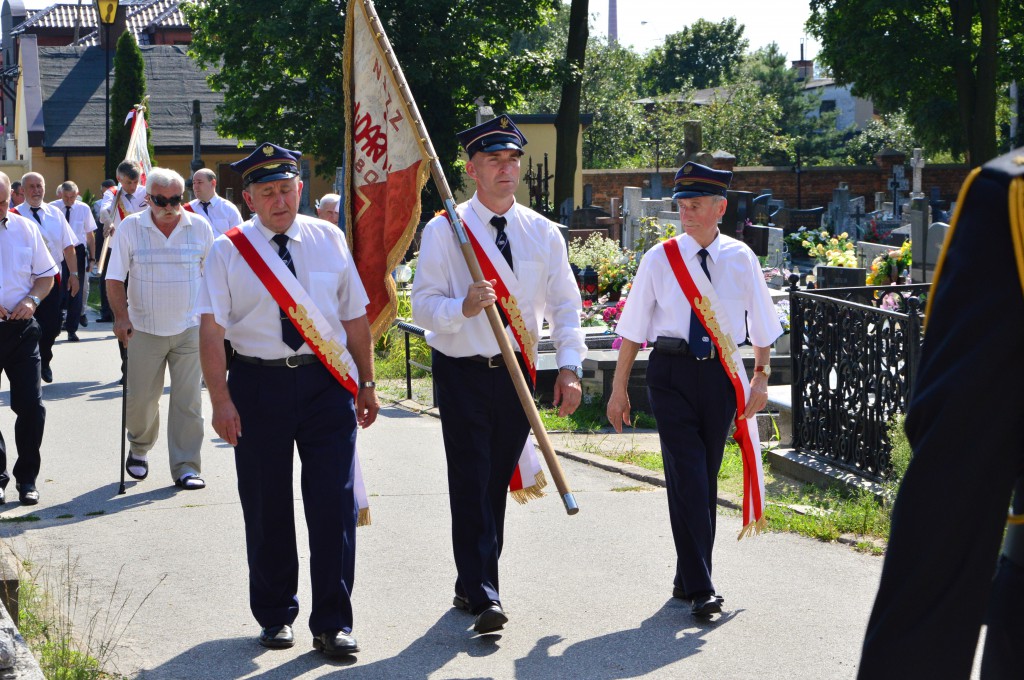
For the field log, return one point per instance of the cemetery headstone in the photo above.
(631, 197)
(898, 185)
(917, 164)
(839, 277)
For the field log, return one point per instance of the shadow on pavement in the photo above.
(669, 635)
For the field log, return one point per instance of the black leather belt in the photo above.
(294, 361)
(679, 347)
(497, 361)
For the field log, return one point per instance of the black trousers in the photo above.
(694, 405)
(73, 304)
(19, 359)
(48, 316)
(282, 408)
(484, 430)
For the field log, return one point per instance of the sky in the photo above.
(643, 24)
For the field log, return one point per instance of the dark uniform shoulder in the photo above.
(1009, 165)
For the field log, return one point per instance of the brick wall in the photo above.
(816, 184)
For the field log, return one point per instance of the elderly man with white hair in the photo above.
(328, 207)
(222, 214)
(163, 249)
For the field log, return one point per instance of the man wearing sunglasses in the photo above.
(163, 250)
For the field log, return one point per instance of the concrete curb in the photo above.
(12, 644)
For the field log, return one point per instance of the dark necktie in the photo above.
(128, 197)
(289, 334)
(67, 213)
(501, 241)
(206, 209)
(700, 343)
(35, 214)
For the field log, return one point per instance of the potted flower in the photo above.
(888, 267)
(614, 273)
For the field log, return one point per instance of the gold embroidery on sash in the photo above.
(725, 341)
(515, 319)
(332, 350)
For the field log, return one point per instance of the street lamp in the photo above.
(107, 11)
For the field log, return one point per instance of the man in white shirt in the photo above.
(221, 213)
(163, 249)
(61, 242)
(26, 276)
(284, 398)
(482, 421)
(79, 216)
(328, 208)
(691, 395)
(120, 201)
(17, 194)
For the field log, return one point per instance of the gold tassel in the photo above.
(364, 517)
(527, 494)
(753, 528)
(1015, 520)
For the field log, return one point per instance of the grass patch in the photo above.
(23, 518)
(95, 513)
(649, 460)
(623, 489)
(65, 516)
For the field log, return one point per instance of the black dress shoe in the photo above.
(335, 643)
(491, 619)
(277, 637)
(3, 497)
(72, 336)
(83, 321)
(28, 494)
(705, 606)
(460, 602)
(680, 594)
(46, 373)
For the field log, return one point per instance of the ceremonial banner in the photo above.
(138, 143)
(385, 166)
(699, 291)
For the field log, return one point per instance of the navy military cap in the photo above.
(694, 179)
(268, 163)
(495, 134)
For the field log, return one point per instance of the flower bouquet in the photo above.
(887, 267)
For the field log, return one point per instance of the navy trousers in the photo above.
(281, 408)
(484, 430)
(694, 405)
(73, 305)
(19, 359)
(48, 316)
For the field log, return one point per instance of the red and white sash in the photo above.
(528, 480)
(310, 322)
(704, 301)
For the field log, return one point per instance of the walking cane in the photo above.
(124, 412)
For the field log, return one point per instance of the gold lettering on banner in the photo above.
(725, 341)
(332, 350)
(515, 319)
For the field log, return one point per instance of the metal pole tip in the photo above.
(570, 504)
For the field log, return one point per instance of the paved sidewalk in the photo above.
(588, 596)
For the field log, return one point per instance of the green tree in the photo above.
(706, 54)
(744, 123)
(890, 131)
(280, 66)
(567, 122)
(941, 61)
(129, 89)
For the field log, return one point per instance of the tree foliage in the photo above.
(890, 131)
(128, 89)
(941, 61)
(743, 122)
(706, 54)
(280, 66)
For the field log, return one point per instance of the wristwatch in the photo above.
(367, 384)
(578, 370)
(34, 299)
(767, 370)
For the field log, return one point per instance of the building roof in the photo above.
(142, 17)
(72, 89)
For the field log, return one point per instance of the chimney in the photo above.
(613, 22)
(804, 67)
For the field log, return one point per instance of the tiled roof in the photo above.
(142, 17)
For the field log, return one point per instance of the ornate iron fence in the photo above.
(855, 352)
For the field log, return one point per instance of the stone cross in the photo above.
(897, 184)
(917, 163)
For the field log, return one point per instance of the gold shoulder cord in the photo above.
(1017, 233)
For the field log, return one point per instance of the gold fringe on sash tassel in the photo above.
(364, 518)
(1015, 520)
(527, 494)
(754, 528)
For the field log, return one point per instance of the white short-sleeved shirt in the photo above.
(242, 305)
(221, 213)
(657, 307)
(82, 221)
(55, 229)
(165, 271)
(109, 214)
(541, 280)
(24, 258)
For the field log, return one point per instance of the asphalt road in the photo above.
(158, 575)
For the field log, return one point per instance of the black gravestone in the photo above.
(840, 277)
